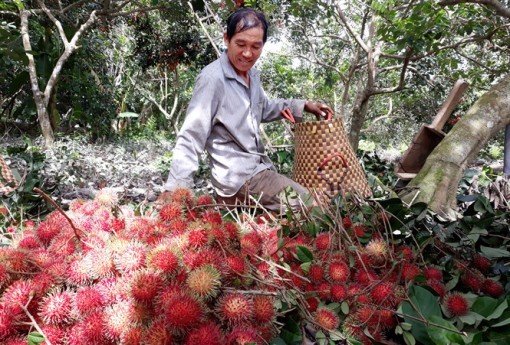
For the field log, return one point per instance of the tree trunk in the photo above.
(437, 182)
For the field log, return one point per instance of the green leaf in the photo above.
(409, 339)
(277, 341)
(35, 338)
(485, 306)
(306, 266)
(345, 308)
(442, 336)
(498, 311)
(304, 254)
(493, 253)
(427, 306)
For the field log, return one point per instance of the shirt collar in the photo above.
(231, 73)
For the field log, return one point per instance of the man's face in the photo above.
(244, 49)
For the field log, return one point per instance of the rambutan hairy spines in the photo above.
(481, 263)
(56, 335)
(338, 271)
(326, 318)
(493, 288)
(183, 312)
(7, 326)
(171, 211)
(204, 200)
(130, 257)
(456, 304)
(204, 282)
(242, 335)
(163, 258)
(56, 308)
(383, 294)
(433, 273)
(18, 293)
(212, 217)
(263, 308)
(316, 273)
(208, 333)
(107, 197)
(235, 308)
(338, 292)
(88, 299)
(237, 265)
(251, 243)
(145, 284)
(118, 317)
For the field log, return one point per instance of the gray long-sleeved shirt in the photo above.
(223, 118)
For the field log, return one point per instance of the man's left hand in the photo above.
(318, 109)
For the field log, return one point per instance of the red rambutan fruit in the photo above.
(383, 294)
(56, 307)
(432, 273)
(326, 318)
(131, 336)
(4, 275)
(243, 335)
(367, 315)
(183, 312)
(29, 242)
(473, 279)
(235, 308)
(323, 241)
(482, 263)
(312, 303)
(316, 273)
(377, 250)
(359, 230)
(364, 277)
(107, 197)
(262, 270)
(387, 319)
(49, 228)
(130, 257)
(263, 308)
(42, 282)
(157, 333)
(18, 293)
(7, 326)
(92, 328)
(209, 333)
(493, 288)
(182, 195)
(251, 243)
(323, 291)
(178, 225)
(198, 238)
(145, 284)
(212, 217)
(237, 264)
(347, 222)
(204, 281)
(405, 252)
(78, 271)
(16, 340)
(409, 272)
(163, 258)
(117, 225)
(338, 271)
(456, 304)
(231, 229)
(170, 211)
(118, 317)
(18, 260)
(204, 200)
(192, 215)
(338, 292)
(88, 299)
(56, 335)
(438, 287)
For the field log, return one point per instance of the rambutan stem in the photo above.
(45, 196)
(33, 323)
(429, 323)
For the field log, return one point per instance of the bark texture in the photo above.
(437, 182)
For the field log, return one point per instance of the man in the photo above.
(223, 117)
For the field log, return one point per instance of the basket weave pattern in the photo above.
(324, 159)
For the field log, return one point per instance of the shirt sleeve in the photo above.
(192, 137)
(272, 108)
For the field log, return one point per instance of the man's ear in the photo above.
(225, 38)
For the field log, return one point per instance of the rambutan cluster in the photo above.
(186, 275)
(112, 277)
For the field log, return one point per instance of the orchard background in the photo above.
(92, 96)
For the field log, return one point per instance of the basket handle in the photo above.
(321, 173)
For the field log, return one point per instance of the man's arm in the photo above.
(193, 134)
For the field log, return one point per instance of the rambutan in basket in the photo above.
(325, 161)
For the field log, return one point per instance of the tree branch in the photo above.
(497, 6)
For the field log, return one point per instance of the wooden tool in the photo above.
(429, 136)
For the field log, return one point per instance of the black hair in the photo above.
(246, 18)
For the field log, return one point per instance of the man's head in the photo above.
(246, 18)
(245, 37)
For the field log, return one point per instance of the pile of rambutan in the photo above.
(183, 274)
